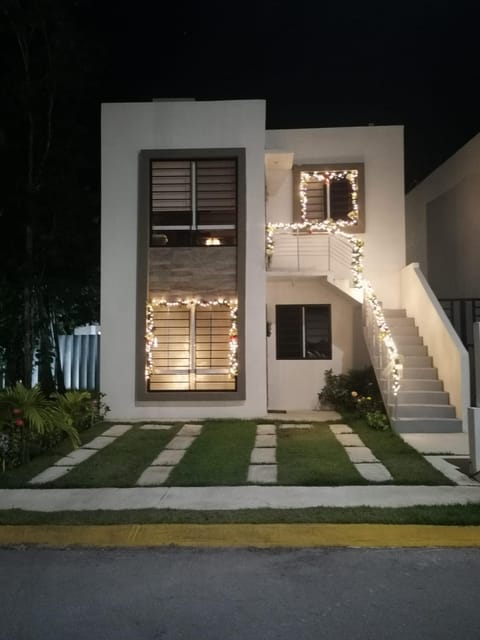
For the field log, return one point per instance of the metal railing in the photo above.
(383, 352)
(317, 252)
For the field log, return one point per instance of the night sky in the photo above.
(319, 63)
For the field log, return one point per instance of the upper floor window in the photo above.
(330, 192)
(193, 202)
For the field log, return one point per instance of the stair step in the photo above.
(423, 384)
(411, 349)
(394, 313)
(407, 339)
(400, 321)
(427, 425)
(424, 411)
(421, 396)
(403, 330)
(420, 373)
(417, 361)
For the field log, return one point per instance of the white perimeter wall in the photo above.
(451, 193)
(126, 129)
(381, 151)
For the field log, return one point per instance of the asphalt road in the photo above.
(157, 594)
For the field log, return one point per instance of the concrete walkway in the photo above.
(230, 498)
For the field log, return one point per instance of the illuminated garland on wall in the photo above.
(327, 177)
(150, 339)
(385, 335)
(327, 226)
(335, 227)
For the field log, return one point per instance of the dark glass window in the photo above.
(193, 203)
(303, 332)
(335, 198)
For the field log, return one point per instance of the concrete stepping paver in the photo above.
(190, 430)
(374, 471)
(266, 430)
(295, 425)
(156, 427)
(153, 476)
(98, 443)
(168, 458)
(117, 430)
(349, 439)
(340, 428)
(360, 454)
(451, 472)
(180, 442)
(266, 441)
(171, 455)
(263, 456)
(262, 473)
(75, 457)
(50, 475)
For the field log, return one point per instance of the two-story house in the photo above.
(239, 264)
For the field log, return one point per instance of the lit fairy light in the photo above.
(327, 177)
(231, 304)
(358, 281)
(149, 342)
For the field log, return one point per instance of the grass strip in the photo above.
(120, 464)
(18, 477)
(313, 457)
(219, 456)
(457, 514)
(406, 465)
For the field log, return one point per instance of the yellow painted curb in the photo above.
(242, 535)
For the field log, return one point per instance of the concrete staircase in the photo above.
(422, 404)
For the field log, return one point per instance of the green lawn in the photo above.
(121, 463)
(19, 476)
(434, 515)
(220, 455)
(405, 464)
(313, 457)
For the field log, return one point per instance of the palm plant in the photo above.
(29, 412)
(79, 406)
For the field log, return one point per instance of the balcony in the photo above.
(313, 253)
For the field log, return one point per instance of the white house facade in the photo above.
(239, 264)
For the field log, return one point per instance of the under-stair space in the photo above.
(421, 405)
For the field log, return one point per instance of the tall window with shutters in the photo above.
(193, 202)
(193, 223)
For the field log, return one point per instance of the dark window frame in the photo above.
(359, 227)
(156, 398)
(292, 331)
(193, 201)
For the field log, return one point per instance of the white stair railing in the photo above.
(383, 352)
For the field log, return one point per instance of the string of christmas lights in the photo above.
(358, 281)
(327, 177)
(150, 339)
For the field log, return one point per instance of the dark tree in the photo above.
(49, 209)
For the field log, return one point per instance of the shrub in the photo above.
(29, 419)
(356, 390)
(82, 407)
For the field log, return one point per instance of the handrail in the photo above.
(382, 349)
(381, 346)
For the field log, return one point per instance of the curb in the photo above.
(241, 535)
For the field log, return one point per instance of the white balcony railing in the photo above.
(318, 253)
